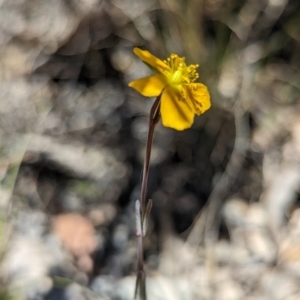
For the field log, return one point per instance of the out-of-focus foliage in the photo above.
(225, 221)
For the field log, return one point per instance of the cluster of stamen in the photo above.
(179, 72)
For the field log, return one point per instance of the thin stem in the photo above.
(143, 210)
(153, 120)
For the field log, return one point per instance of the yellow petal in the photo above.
(175, 111)
(199, 97)
(150, 86)
(151, 60)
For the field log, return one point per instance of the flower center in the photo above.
(179, 73)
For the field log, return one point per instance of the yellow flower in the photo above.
(181, 98)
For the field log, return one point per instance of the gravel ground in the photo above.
(225, 224)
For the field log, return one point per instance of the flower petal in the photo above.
(175, 111)
(151, 60)
(199, 97)
(150, 86)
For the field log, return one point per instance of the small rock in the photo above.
(79, 237)
(76, 232)
(229, 290)
(235, 211)
(103, 286)
(27, 263)
(277, 285)
(261, 245)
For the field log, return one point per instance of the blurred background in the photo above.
(225, 224)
